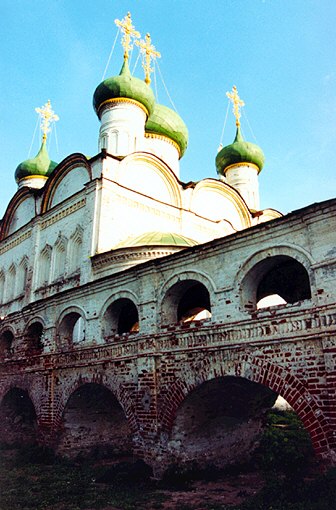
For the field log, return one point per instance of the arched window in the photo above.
(75, 250)
(186, 301)
(6, 344)
(2, 287)
(22, 276)
(275, 280)
(72, 330)
(34, 338)
(11, 283)
(44, 266)
(59, 258)
(120, 317)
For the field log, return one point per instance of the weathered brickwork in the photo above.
(120, 379)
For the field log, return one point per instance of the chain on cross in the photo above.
(47, 117)
(149, 53)
(129, 32)
(236, 102)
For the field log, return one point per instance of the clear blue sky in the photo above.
(281, 54)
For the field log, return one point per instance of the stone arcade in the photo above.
(129, 300)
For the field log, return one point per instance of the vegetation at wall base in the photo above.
(33, 478)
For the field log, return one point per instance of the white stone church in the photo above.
(73, 222)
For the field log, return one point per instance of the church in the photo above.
(111, 266)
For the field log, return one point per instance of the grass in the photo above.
(33, 479)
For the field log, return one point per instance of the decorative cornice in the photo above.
(61, 214)
(29, 177)
(16, 241)
(128, 254)
(242, 164)
(118, 100)
(165, 139)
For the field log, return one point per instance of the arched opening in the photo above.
(6, 344)
(18, 418)
(219, 422)
(72, 330)
(120, 317)
(34, 338)
(275, 281)
(94, 424)
(186, 301)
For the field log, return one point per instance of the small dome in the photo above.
(157, 239)
(164, 121)
(124, 86)
(40, 166)
(239, 152)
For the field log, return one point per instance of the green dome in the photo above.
(166, 122)
(40, 166)
(124, 86)
(157, 239)
(239, 152)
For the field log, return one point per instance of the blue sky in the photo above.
(279, 53)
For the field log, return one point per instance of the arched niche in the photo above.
(185, 301)
(18, 418)
(218, 201)
(120, 317)
(94, 424)
(150, 177)
(280, 278)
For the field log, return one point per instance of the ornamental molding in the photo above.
(114, 101)
(164, 139)
(63, 213)
(235, 165)
(16, 241)
(130, 254)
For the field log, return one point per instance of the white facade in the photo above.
(90, 207)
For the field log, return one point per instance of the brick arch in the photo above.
(23, 384)
(260, 371)
(122, 395)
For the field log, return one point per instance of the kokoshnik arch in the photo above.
(131, 302)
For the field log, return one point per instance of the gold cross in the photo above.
(148, 53)
(237, 103)
(129, 33)
(47, 117)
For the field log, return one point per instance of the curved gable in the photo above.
(149, 176)
(68, 178)
(20, 211)
(218, 201)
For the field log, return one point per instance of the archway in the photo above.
(94, 424)
(280, 278)
(120, 317)
(186, 301)
(17, 418)
(219, 422)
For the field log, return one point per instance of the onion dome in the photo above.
(239, 152)
(157, 239)
(124, 86)
(166, 122)
(40, 166)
